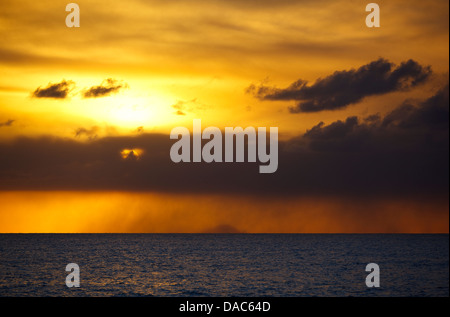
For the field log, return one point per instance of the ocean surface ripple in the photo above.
(280, 265)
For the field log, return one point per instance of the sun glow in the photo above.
(131, 153)
(131, 112)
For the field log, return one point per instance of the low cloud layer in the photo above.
(57, 91)
(343, 88)
(402, 153)
(107, 87)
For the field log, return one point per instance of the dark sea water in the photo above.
(223, 264)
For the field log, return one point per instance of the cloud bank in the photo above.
(402, 153)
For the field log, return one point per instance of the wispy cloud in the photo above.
(183, 107)
(90, 133)
(107, 87)
(7, 123)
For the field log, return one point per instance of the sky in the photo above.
(362, 115)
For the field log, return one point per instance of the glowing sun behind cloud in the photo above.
(131, 153)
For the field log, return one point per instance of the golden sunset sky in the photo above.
(170, 62)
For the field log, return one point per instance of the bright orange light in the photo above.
(131, 153)
(164, 213)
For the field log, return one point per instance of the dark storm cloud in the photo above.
(343, 135)
(432, 114)
(7, 123)
(57, 91)
(420, 126)
(347, 87)
(106, 88)
(387, 155)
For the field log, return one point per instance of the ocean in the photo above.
(238, 265)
